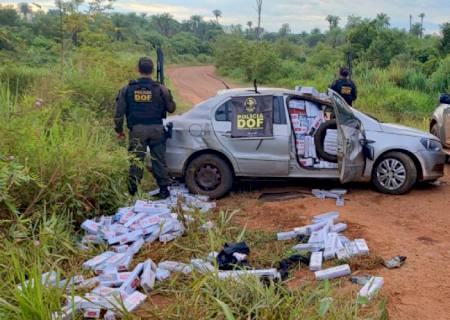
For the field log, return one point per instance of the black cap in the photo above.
(145, 65)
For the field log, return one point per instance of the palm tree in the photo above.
(333, 21)
(383, 20)
(259, 4)
(218, 14)
(421, 16)
(24, 9)
(195, 22)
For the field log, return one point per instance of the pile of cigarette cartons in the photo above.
(326, 243)
(306, 118)
(115, 284)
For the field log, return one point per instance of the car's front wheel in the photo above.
(394, 173)
(210, 175)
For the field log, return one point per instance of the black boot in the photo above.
(164, 193)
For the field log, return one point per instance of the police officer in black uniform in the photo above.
(345, 87)
(145, 103)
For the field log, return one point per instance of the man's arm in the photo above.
(168, 99)
(355, 92)
(121, 108)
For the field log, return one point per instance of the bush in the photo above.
(77, 165)
(440, 79)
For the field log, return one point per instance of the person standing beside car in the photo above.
(145, 103)
(345, 87)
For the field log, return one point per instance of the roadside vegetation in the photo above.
(60, 162)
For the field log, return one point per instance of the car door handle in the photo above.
(227, 134)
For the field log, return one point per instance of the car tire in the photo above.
(209, 175)
(394, 173)
(319, 139)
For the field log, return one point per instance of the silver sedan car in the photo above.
(204, 153)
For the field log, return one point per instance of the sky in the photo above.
(301, 15)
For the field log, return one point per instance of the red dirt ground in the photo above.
(415, 225)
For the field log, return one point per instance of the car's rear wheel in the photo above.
(394, 173)
(210, 175)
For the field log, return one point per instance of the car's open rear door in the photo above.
(350, 134)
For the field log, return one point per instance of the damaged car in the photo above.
(282, 133)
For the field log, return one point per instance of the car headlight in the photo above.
(431, 145)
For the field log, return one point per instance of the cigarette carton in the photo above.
(315, 262)
(372, 287)
(175, 266)
(307, 247)
(362, 247)
(148, 277)
(132, 282)
(261, 273)
(92, 313)
(136, 246)
(162, 274)
(202, 266)
(90, 226)
(338, 228)
(281, 236)
(134, 300)
(330, 246)
(92, 263)
(332, 273)
(126, 238)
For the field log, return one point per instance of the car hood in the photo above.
(404, 130)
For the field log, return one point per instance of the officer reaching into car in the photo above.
(345, 86)
(145, 103)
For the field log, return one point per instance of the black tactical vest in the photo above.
(145, 103)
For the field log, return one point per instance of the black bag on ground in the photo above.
(227, 261)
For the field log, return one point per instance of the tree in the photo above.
(416, 29)
(25, 9)
(285, 30)
(445, 41)
(165, 24)
(382, 20)
(421, 16)
(353, 21)
(259, 4)
(97, 7)
(333, 21)
(218, 14)
(8, 16)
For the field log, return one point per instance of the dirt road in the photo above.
(195, 84)
(415, 225)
